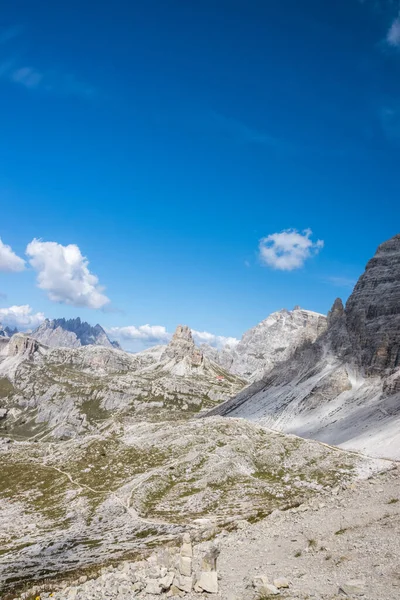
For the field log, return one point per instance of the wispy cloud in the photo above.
(389, 117)
(9, 33)
(27, 77)
(393, 34)
(45, 81)
(339, 281)
(245, 134)
(17, 70)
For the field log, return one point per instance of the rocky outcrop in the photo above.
(269, 343)
(72, 333)
(182, 346)
(22, 345)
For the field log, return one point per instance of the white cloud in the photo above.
(20, 317)
(150, 334)
(9, 261)
(63, 272)
(288, 249)
(218, 341)
(340, 281)
(393, 35)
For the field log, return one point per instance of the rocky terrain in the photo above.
(62, 392)
(344, 388)
(340, 543)
(71, 333)
(269, 343)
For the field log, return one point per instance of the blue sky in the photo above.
(166, 139)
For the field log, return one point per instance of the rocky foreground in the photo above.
(345, 543)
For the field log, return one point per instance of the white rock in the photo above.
(185, 566)
(208, 582)
(183, 583)
(281, 582)
(167, 580)
(153, 587)
(260, 580)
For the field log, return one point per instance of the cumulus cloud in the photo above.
(393, 35)
(288, 249)
(218, 341)
(145, 336)
(150, 334)
(9, 261)
(20, 317)
(63, 272)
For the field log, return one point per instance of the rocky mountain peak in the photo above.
(373, 310)
(336, 312)
(182, 346)
(72, 333)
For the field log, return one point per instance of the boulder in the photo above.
(208, 582)
(183, 583)
(281, 582)
(153, 586)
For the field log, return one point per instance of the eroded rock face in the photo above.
(20, 344)
(373, 310)
(182, 346)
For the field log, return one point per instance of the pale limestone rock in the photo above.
(186, 550)
(183, 583)
(167, 580)
(153, 587)
(281, 582)
(260, 580)
(208, 582)
(185, 566)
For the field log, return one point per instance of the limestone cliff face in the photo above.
(22, 345)
(373, 310)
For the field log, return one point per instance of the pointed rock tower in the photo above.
(182, 346)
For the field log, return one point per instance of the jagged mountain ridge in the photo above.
(72, 333)
(270, 342)
(6, 331)
(344, 388)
